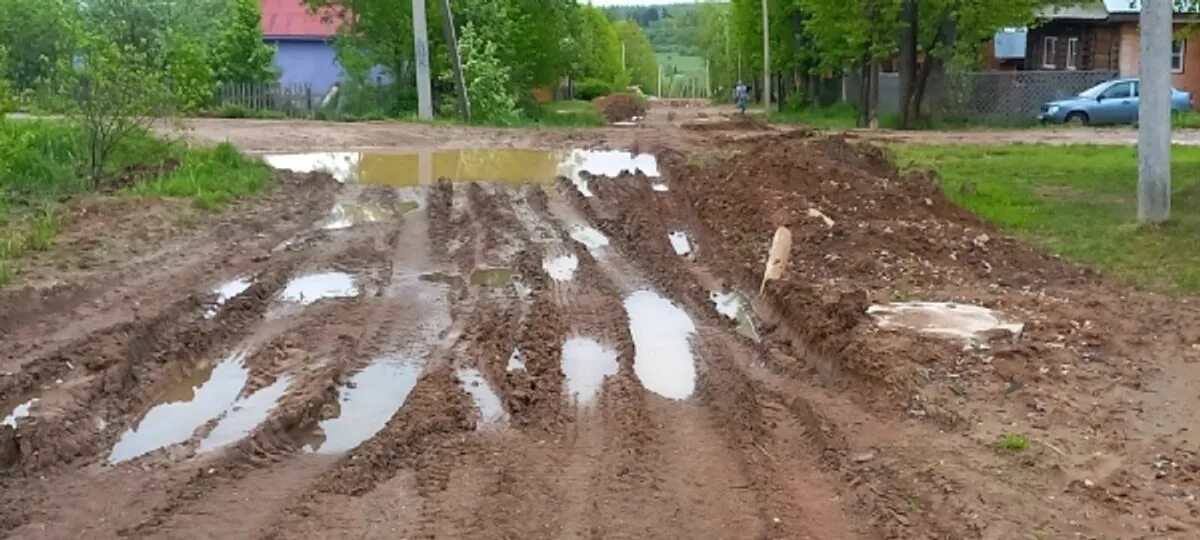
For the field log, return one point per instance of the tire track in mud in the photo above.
(770, 446)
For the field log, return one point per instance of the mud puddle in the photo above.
(736, 307)
(487, 402)
(343, 166)
(307, 289)
(245, 415)
(225, 292)
(510, 165)
(592, 239)
(516, 362)
(586, 363)
(680, 243)
(480, 277)
(663, 359)
(371, 398)
(561, 267)
(948, 320)
(345, 215)
(190, 403)
(20, 411)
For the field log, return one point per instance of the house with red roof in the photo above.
(303, 43)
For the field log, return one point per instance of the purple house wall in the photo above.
(307, 61)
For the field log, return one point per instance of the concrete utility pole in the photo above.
(421, 46)
(1154, 112)
(659, 93)
(460, 82)
(766, 61)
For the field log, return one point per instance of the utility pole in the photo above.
(464, 103)
(707, 79)
(766, 61)
(660, 94)
(624, 64)
(421, 46)
(1154, 112)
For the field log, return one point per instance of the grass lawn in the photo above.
(837, 116)
(40, 169)
(567, 113)
(1079, 202)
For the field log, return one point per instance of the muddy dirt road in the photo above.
(561, 334)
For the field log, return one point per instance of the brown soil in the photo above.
(621, 107)
(825, 427)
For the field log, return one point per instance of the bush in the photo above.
(210, 176)
(590, 89)
(487, 79)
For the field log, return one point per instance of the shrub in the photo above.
(590, 89)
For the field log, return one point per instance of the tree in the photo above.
(242, 56)
(6, 97)
(189, 69)
(599, 49)
(487, 79)
(39, 35)
(640, 61)
(117, 94)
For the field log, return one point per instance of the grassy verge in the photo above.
(1079, 202)
(563, 114)
(39, 171)
(837, 116)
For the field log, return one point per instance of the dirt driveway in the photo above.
(430, 332)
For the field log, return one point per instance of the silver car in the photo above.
(1112, 102)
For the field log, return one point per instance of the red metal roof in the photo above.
(291, 19)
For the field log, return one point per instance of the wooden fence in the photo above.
(294, 100)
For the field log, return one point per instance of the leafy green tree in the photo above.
(189, 69)
(599, 48)
(487, 79)
(39, 35)
(242, 56)
(117, 93)
(7, 100)
(640, 61)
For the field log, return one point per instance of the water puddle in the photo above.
(404, 207)
(561, 268)
(245, 415)
(516, 362)
(342, 166)
(20, 411)
(226, 291)
(610, 163)
(663, 359)
(491, 410)
(586, 363)
(510, 165)
(305, 290)
(944, 319)
(345, 216)
(493, 277)
(735, 307)
(659, 187)
(591, 238)
(189, 404)
(680, 243)
(367, 403)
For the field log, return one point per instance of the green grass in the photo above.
(1014, 443)
(837, 116)
(210, 177)
(566, 114)
(40, 169)
(1079, 202)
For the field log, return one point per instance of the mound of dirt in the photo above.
(739, 122)
(621, 107)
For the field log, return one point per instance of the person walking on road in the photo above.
(741, 96)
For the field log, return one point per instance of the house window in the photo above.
(1072, 53)
(1049, 45)
(1178, 52)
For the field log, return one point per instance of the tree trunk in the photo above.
(874, 118)
(909, 32)
(864, 95)
(460, 83)
(946, 35)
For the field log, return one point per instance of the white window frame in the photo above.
(1072, 53)
(1049, 52)
(1182, 43)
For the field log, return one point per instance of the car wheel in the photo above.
(1077, 119)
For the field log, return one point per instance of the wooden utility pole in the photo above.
(421, 49)
(1154, 112)
(460, 82)
(766, 60)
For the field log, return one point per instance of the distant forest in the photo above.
(670, 28)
